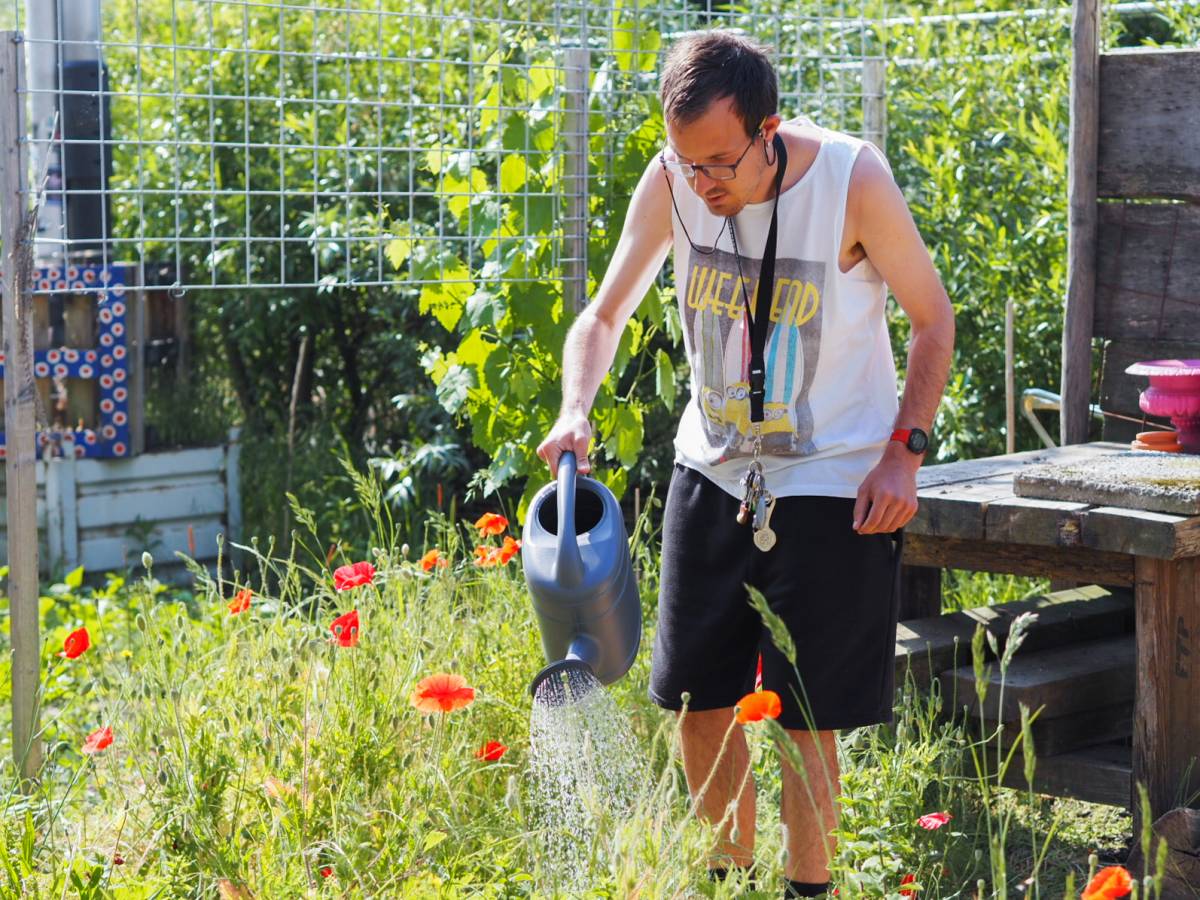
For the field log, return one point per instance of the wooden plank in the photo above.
(1147, 276)
(1167, 719)
(124, 507)
(990, 466)
(19, 392)
(1061, 734)
(1075, 416)
(1064, 680)
(1140, 533)
(1119, 392)
(104, 550)
(938, 643)
(1099, 774)
(1149, 124)
(1078, 564)
(958, 510)
(1025, 520)
(170, 465)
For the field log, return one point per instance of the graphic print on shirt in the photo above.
(718, 346)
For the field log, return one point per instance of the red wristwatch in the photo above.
(916, 440)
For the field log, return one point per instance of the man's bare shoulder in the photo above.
(872, 187)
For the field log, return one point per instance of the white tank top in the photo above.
(830, 382)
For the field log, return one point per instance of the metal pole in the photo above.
(575, 179)
(1010, 378)
(20, 457)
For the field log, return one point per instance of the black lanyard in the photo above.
(766, 288)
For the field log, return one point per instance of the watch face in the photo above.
(918, 441)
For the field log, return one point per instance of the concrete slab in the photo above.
(1155, 482)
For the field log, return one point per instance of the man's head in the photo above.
(719, 93)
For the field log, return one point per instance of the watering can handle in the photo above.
(568, 564)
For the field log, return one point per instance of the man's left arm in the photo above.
(879, 216)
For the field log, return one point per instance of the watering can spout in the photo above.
(568, 564)
(582, 655)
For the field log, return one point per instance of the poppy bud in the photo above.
(404, 550)
(147, 560)
(512, 794)
(140, 621)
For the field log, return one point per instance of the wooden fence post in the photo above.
(19, 391)
(575, 179)
(874, 102)
(1081, 232)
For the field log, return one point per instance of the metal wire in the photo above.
(293, 143)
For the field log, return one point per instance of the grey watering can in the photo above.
(576, 557)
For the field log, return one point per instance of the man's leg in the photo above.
(726, 772)
(809, 809)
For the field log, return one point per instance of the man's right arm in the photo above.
(592, 341)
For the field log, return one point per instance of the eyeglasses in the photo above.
(715, 171)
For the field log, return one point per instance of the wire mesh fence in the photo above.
(333, 143)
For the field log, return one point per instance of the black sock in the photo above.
(805, 889)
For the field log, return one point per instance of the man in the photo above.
(795, 467)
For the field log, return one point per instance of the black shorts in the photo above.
(836, 590)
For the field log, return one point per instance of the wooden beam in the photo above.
(1166, 731)
(1081, 233)
(19, 391)
(1078, 564)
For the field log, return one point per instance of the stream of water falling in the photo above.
(586, 773)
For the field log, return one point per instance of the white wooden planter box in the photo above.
(102, 513)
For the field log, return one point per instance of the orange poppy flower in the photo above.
(1108, 884)
(76, 643)
(433, 558)
(98, 740)
(759, 705)
(491, 751)
(442, 693)
(487, 556)
(240, 602)
(491, 523)
(347, 577)
(326, 871)
(508, 550)
(908, 879)
(345, 628)
(930, 821)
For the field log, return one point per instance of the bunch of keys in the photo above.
(757, 506)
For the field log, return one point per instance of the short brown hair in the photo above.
(703, 66)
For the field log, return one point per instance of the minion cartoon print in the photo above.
(717, 341)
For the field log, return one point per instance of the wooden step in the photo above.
(1061, 734)
(1070, 679)
(932, 645)
(1099, 774)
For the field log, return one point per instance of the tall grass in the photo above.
(252, 756)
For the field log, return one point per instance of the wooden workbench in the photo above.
(969, 518)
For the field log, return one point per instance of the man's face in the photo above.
(718, 136)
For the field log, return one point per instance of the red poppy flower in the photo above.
(240, 602)
(76, 643)
(1108, 884)
(491, 523)
(118, 859)
(908, 879)
(508, 550)
(433, 558)
(759, 705)
(347, 577)
(326, 871)
(345, 628)
(491, 751)
(930, 821)
(98, 740)
(487, 556)
(758, 674)
(442, 693)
